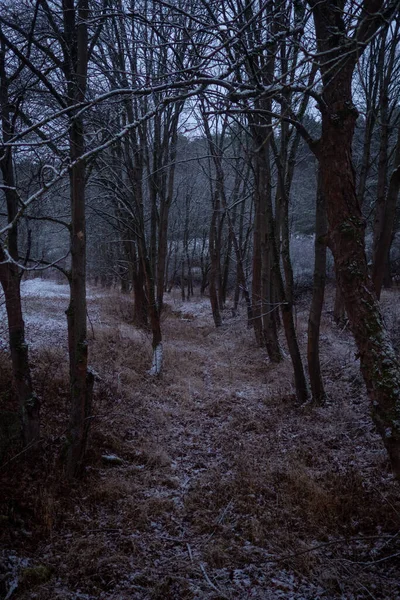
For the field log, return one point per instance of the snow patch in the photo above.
(157, 360)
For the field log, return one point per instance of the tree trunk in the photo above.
(268, 271)
(314, 321)
(387, 277)
(170, 149)
(76, 314)
(29, 405)
(385, 233)
(339, 312)
(162, 252)
(270, 331)
(256, 292)
(286, 309)
(225, 272)
(268, 231)
(378, 361)
(183, 278)
(155, 321)
(10, 278)
(140, 311)
(213, 276)
(81, 380)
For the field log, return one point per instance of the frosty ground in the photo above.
(222, 486)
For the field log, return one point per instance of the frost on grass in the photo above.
(11, 567)
(44, 304)
(227, 488)
(44, 288)
(47, 288)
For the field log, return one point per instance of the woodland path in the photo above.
(223, 486)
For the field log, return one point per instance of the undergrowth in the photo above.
(224, 487)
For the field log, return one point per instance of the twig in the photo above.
(28, 447)
(223, 512)
(210, 583)
(371, 562)
(91, 324)
(190, 552)
(325, 544)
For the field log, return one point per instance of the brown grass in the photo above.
(227, 488)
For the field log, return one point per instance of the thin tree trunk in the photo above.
(366, 156)
(286, 305)
(81, 379)
(256, 293)
(241, 282)
(204, 264)
(183, 278)
(29, 405)
(287, 315)
(384, 236)
(214, 266)
(277, 280)
(76, 314)
(140, 310)
(10, 279)
(162, 252)
(270, 331)
(170, 142)
(382, 170)
(155, 321)
(225, 271)
(314, 321)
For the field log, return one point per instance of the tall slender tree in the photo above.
(340, 41)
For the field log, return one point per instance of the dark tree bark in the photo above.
(169, 142)
(81, 379)
(29, 405)
(225, 270)
(378, 361)
(140, 309)
(383, 168)
(264, 282)
(241, 251)
(215, 234)
(339, 312)
(268, 229)
(385, 233)
(204, 265)
(314, 321)
(241, 282)
(213, 275)
(10, 276)
(256, 292)
(261, 69)
(268, 282)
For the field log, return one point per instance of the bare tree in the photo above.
(338, 52)
(69, 27)
(314, 320)
(10, 273)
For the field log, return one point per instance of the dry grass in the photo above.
(227, 489)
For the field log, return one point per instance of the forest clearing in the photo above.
(210, 482)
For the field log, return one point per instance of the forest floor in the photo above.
(221, 486)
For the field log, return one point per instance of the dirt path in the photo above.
(222, 487)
